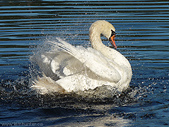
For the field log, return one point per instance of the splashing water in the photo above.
(19, 92)
(99, 95)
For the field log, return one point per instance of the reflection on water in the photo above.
(142, 36)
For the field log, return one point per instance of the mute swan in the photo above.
(67, 68)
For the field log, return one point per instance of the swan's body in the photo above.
(70, 69)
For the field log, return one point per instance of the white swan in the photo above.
(70, 69)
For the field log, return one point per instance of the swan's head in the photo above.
(106, 29)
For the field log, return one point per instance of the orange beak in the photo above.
(112, 41)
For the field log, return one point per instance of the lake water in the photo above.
(142, 29)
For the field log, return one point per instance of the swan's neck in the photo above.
(95, 39)
(110, 53)
(97, 44)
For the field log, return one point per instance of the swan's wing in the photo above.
(92, 59)
(64, 64)
(57, 64)
(43, 60)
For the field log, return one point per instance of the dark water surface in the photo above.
(142, 29)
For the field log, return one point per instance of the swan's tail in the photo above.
(45, 85)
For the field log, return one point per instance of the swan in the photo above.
(67, 68)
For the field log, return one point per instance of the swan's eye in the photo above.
(113, 33)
